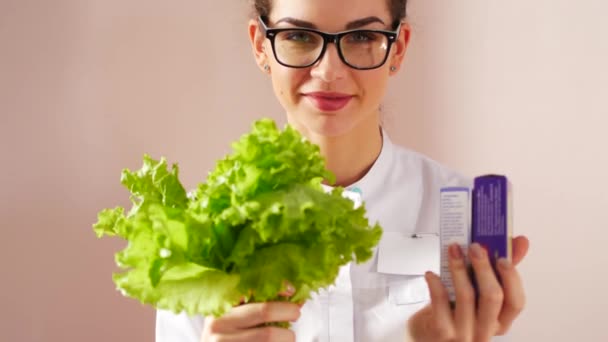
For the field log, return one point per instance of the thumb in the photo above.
(288, 290)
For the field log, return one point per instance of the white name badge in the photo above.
(406, 254)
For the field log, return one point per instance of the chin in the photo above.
(328, 124)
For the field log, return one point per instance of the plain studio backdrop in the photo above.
(87, 87)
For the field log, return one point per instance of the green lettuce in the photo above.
(261, 218)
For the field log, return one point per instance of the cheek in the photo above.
(373, 86)
(287, 83)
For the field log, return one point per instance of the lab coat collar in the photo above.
(375, 178)
(395, 176)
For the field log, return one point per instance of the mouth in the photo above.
(328, 102)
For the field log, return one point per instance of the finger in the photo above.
(464, 312)
(270, 334)
(490, 293)
(254, 314)
(521, 244)
(514, 294)
(440, 304)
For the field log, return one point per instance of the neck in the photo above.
(351, 155)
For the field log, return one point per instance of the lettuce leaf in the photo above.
(261, 218)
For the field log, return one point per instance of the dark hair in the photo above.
(396, 7)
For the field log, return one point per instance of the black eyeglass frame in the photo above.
(271, 34)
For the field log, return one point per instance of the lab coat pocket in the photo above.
(412, 291)
(405, 259)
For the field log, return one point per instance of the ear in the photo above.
(400, 46)
(257, 43)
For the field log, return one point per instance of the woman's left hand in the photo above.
(496, 308)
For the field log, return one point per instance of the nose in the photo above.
(330, 67)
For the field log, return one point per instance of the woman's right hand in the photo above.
(246, 322)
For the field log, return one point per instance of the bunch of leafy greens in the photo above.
(262, 218)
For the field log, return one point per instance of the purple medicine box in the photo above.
(492, 220)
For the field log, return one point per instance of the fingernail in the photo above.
(477, 251)
(290, 288)
(504, 263)
(455, 252)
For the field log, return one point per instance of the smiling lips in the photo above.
(328, 102)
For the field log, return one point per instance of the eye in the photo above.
(300, 36)
(361, 37)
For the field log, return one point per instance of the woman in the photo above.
(331, 85)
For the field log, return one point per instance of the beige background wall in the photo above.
(86, 87)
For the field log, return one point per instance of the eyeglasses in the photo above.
(302, 47)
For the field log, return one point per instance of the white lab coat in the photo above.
(374, 300)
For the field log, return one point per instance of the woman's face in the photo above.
(329, 98)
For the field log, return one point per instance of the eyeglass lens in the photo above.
(361, 49)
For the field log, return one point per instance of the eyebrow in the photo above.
(350, 26)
